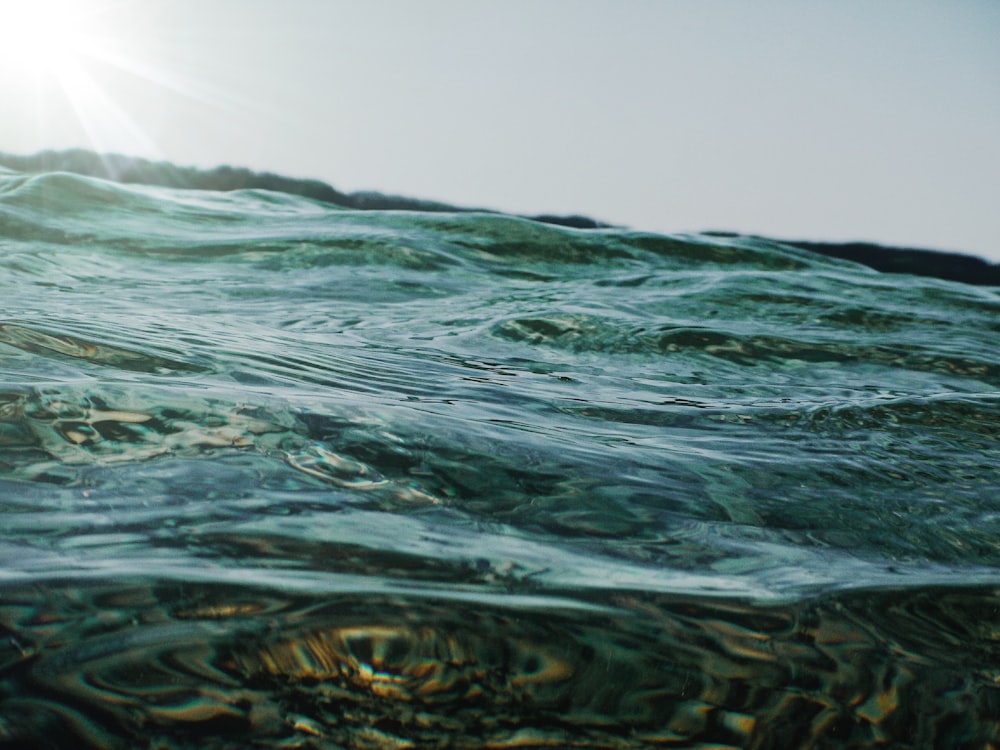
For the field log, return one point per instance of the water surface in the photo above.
(275, 473)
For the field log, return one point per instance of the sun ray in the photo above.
(69, 48)
(108, 125)
(156, 74)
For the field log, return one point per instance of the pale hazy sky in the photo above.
(810, 119)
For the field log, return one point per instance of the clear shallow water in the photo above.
(277, 474)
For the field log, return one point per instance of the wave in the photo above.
(132, 170)
(276, 471)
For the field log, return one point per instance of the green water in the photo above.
(278, 474)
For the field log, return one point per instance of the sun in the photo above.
(64, 51)
(107, 64)
(45, 37)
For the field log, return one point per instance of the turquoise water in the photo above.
(279, 474)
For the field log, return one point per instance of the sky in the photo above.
(799, 119)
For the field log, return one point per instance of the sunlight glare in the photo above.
(42, 36)
(55, 46)
(104, 62)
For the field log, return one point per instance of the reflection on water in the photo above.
(210, 666)
(277, 474)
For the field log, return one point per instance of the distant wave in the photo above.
(951, 266)
(133, 170)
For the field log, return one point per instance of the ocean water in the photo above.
(276, 474)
